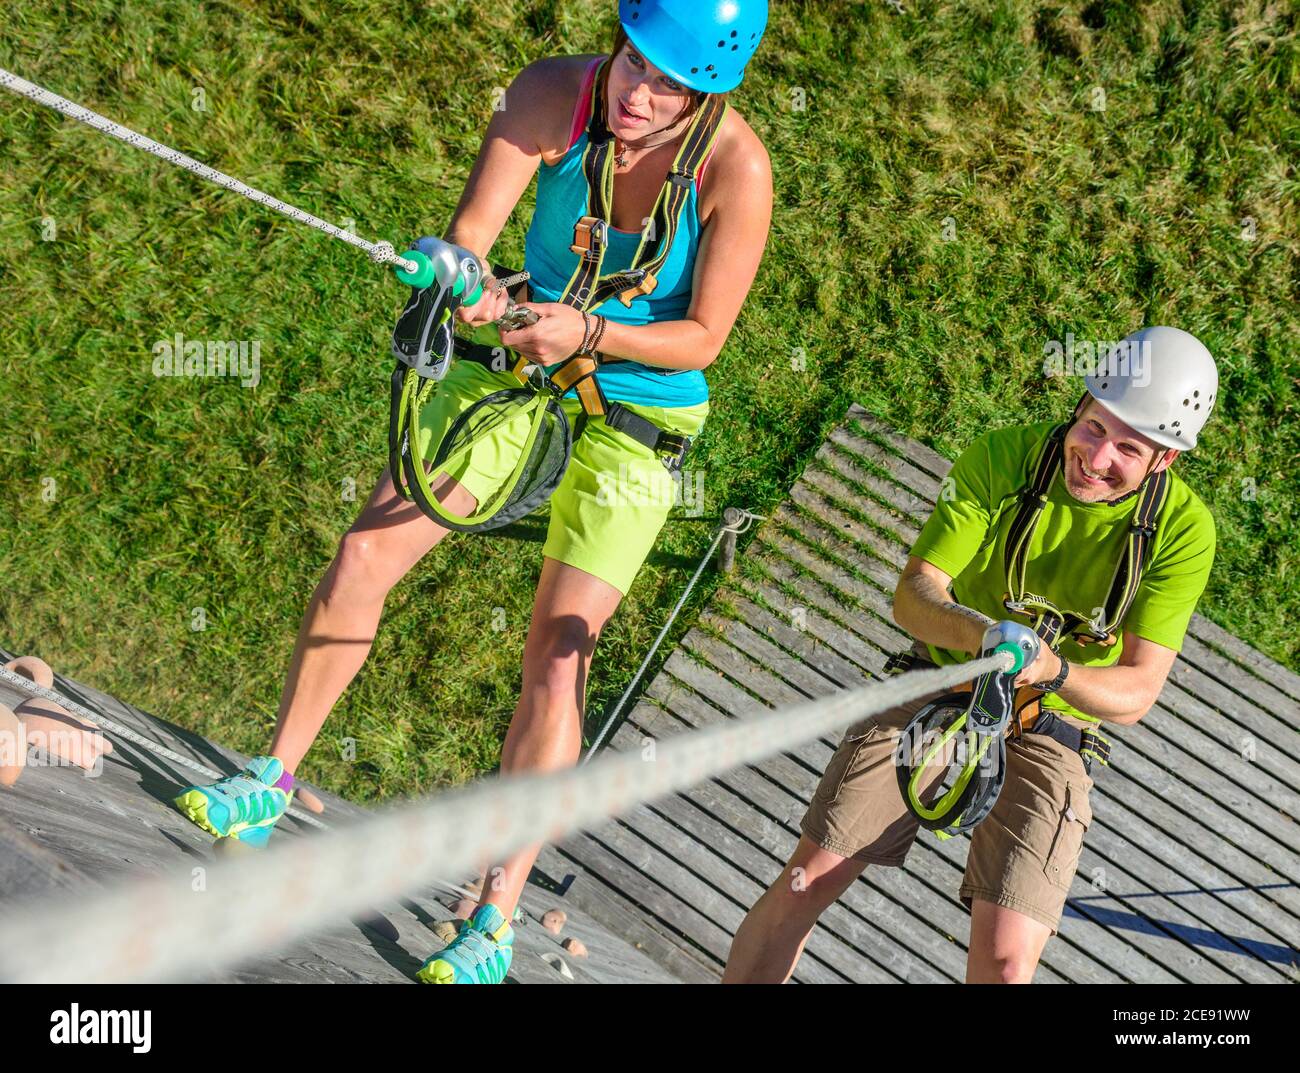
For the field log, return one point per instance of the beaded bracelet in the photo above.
(586, 331)
(600, 333)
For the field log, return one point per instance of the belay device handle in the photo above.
(993, 694)
(984, 716)
(448, 277)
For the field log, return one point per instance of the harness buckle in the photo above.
(644, 285)
(674, 454)
(588, 238)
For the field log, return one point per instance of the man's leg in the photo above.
(771, 938)
(856, 812)
(1004, 945)
(1023, 858)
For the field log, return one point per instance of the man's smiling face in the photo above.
(1106, 459)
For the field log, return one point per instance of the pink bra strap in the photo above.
(579, 123)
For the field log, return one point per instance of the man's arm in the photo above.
(924, 607)
(1122, 693)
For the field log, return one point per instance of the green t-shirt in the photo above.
(1074, 552)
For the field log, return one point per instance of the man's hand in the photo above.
(1044, 668)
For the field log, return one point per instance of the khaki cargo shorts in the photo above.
(1022, 856)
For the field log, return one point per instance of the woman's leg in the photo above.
(389, 537)
(545, 734)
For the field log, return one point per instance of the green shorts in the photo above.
(615, 495)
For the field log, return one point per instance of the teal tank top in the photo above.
(561, 201)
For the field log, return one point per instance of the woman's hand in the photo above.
(556, 335)
(491, 304)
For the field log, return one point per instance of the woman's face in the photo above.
(642, 99)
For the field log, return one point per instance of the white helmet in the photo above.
(1161, 382)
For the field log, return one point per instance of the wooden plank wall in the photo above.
(1189, 871)
(60, 830)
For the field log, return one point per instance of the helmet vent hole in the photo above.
(1179, 432)
(1197, 406)
(714, 75)
(1105, 384)
(1196, 394)
(733, 33)
(722, 44)
(1186, 401)
(734, 47)
(695, 70)
(1162, 428)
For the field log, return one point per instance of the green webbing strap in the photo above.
(1141, 535)
(535, 408)
(1032, 501)
(672, 199)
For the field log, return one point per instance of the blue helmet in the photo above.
(703, 44)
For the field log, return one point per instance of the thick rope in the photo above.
(746, 520)
(380, 252)
(161, 928)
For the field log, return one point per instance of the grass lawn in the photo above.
(957, 185)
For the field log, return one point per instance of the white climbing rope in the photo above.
(742, 524)
(161, 928)
(380, 252)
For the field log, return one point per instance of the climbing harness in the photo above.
(1050, 623)
(978, 764)
(424, 344)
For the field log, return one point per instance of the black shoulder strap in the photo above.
(1137, 553)
(586, 286)
(1032, 501)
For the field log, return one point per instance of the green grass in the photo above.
(172, 494)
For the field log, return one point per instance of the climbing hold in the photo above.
(446, 930)
(576, 947)
(313, 803)
(34, 669)
(57, 732)
(13, 747)
(553, 920)
(558, 964)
